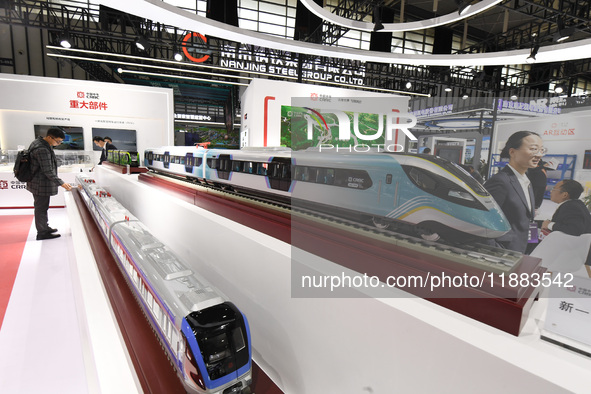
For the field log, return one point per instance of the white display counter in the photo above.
(357, 345)
(13, 193)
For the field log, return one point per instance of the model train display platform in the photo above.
(381, 255)
(390, 340)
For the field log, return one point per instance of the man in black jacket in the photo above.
(45, 180)
(572, 216)
(105, 146)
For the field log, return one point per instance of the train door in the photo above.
(149, 157)
(166, 157)
(189, 163)
(279, 173)
(224, 166)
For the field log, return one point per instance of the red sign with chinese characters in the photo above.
(88, 100)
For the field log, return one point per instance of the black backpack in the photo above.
(22, 166)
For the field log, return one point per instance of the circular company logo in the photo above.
(186, 48)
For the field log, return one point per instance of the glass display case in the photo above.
(67, 161)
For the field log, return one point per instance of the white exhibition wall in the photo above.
(565, 134)
(27, 101)
(262, 101)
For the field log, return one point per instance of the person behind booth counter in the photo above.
(45, 180)
(572, 216)
(105, 146)
(512, 190)
(539, 179)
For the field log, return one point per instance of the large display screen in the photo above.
(74, 136)
(123, 139)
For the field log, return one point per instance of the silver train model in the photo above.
(205, 336)
(432, 195)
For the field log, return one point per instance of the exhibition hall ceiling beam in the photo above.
(113, 32)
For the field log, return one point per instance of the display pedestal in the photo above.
(389, 341)
(123, 169)
(504, 307)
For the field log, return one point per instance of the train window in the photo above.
(424, 181)
(248, 167)
(238, 339)
(301, 173)
(237, 166)
(181, 159)
(325, 176)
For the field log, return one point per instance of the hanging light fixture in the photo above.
(177, 55)
(377, 19)
(463, 6)
(560, 88)
(532, 55)
(142, 43)
(563, 32)
(65, 40)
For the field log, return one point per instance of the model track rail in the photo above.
(481, 256)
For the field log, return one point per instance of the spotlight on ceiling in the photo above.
(463, 6)
(120, 70)
(377, 19)
(178, 56)
(65, 40)
(142, 43)
(514, 96)
(532, 55)
(560, 88)
(408, 85)
(465, 95)
(448, 89)
(563, 32)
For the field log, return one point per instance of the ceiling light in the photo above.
(465, 95)
(532, 55)
(563, 32)
(65, 40)
(142, 43)
(514, 97)
(463, 6)
(377, 19)
(448, 89)
(178, 56)
(559, 88)
(408, 85)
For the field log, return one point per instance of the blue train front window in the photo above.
(220, 332)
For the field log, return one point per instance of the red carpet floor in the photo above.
(13, 237)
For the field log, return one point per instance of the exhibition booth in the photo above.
(257, 251)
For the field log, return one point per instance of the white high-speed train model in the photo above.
(431, 194)
(205, 336)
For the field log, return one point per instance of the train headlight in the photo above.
(460, 194)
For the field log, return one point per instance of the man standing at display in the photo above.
(512, 190)
(45, 180)
(105, 146)
(572, 216)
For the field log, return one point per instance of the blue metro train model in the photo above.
(432, 195)
(205, 336)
